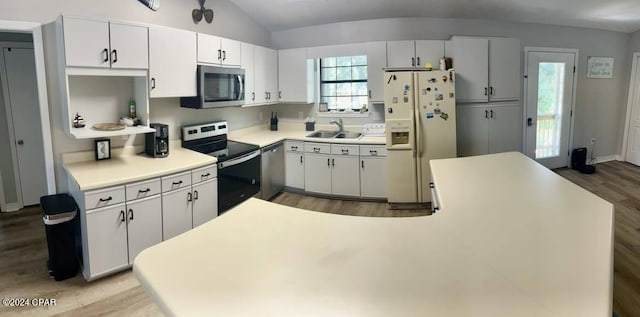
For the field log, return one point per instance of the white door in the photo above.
(231, 52)
(209, 50)
(25, 111)
(144, 224)
(205, 201)
(548, 100)
(345, 176)
(429, 52)
(401, 54)
(504, 128)
(260, 75)
(317, 173)
(172, 62)
(247, 63)
(272, 75)
(129, 46)
(292, 75)
(373, 177)
(107, 239)
(86, 43)
(504, 69)
(294, 170)
(472, 126)
(471, 62)
(633, 139)
(177, 215)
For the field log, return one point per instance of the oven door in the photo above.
(238, 180)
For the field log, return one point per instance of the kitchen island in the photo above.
(511, 239)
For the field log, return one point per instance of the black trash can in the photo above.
(60, 223)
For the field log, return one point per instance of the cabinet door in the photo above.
(505, 129)
(294, 170)
(376, 60)
(260, 72)
(172, 62)
(317, 173)
(292, 75)
(86, 43)
(107, 239)
(472, 130)
(247, 63)
(209, 50)
(345, 176)
(144, 224)
(272, 75)
(177, 216)
(129, 46)
(470, 60)
(504, 69)
(401, 54)
(205, 201)
(429, 51)
(373, 177)
(231, 52)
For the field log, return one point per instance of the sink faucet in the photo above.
(339, 123)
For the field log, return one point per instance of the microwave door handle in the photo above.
(241, 90)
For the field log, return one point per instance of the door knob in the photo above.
(529, 122)
(20, 142)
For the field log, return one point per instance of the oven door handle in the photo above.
(239, 160)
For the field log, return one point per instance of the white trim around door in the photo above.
(633, 99)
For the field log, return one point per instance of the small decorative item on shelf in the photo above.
(126, 121)
(103, 149)
(78, 121)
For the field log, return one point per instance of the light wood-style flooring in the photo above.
(23, 252)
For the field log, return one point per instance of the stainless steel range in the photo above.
(238, 163)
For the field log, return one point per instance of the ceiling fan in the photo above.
(197, 14)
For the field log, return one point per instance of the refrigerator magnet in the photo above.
(439, 97)
(429, 115)
(394, 100)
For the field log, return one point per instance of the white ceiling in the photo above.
(614, 15)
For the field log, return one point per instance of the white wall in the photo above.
(600, 103)
(229, 21)
(635, 42)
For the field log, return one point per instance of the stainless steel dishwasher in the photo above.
(272, 172)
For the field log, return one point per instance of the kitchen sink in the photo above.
(348, 135)
(335, 134)
(323, 134)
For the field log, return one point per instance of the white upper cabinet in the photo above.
(266, 75)
(247, 63)
(415, 53)
(295, 76)
(100, 44)
(172, 62)
(376, 61)
(487, 69)
(218, 50)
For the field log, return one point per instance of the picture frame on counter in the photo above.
(103, 149)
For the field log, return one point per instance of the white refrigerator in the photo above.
(420, 117)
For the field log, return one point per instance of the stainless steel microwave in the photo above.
(217, 87)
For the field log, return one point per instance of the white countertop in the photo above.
(262, 136)
(523, 242)
(127, 168)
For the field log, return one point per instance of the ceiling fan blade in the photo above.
(208, 15)
(196, 15)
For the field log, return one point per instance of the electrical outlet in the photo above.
(260, 116)
(593, 140)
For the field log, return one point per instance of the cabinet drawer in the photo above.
(323, 148)
(375, 150)
(344, 149)
(143, 189)
(104, 197)
(204, 174)
(294, 146)
(176, 181)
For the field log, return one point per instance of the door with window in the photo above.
(548, 101)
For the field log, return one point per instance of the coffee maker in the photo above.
(156, 144)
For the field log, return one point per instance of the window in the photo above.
(343, 84)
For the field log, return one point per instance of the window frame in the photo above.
(349, 110)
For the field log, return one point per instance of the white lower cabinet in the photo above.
(317, 173)
(488, 128)
(105, 248)
(144, 224)
(294, 164)
(205, 201)
(373, 172)
(345, 178)
(177, 216)
(118, 222)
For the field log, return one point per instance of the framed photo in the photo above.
(103, 149)
(599, 67)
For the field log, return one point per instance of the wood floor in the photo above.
(23, 252)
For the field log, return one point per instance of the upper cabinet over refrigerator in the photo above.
(487, 69)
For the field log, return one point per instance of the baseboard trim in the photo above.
(607, 158)
(12, 207)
